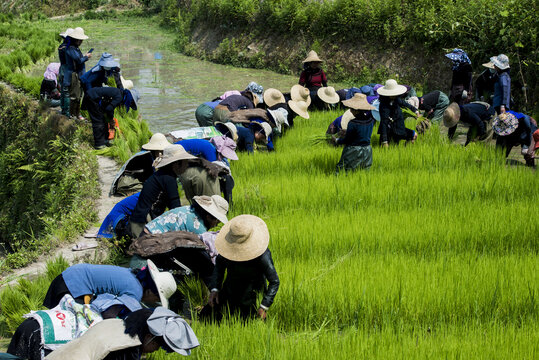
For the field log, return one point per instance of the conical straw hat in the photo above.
(312, 57)
(328, 95)
(299, 107)
(300, 93)
(273, 97)
(243, 238)
(452, 115)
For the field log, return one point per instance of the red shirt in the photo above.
(313, 78)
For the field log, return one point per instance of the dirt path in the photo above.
(107, 170)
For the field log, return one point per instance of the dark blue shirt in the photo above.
(502, 90)
(74, 63)
(358, 133)
(199, 147)
(96, 78)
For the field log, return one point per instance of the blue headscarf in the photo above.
(130, 99)
(459, 57)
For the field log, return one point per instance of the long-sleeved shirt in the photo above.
(199, 147)
(108, 98)
(119, 211)
(96, 78)
(475, 115)
(313, 78)
(74, 63)
(183, 218)
(391, 119)
(245, 278)
(358, 133)
(502, 90)
(162, 181)
(237, 102)
(430, 101)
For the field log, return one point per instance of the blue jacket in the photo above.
(74, 63)
(502, 91)
(199, 147)
(97, 77)
(119, 211)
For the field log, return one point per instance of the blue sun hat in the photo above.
(459, 57)
(256, 89)
(107, 61)
(131, 97)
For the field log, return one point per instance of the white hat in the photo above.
(391, 88)
(243, 238)
(127, 84)
(231, 128)
(158, 141)
(266, 128)
(67, 32)
(171, 154)
(328, 95)
(501, 61)
(279, 117)
(164, 281)
(78, 33)
(299, 107)
(346, 117)
(215, 205)
(300, 93)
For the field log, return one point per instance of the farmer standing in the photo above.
(502, 86)
(461, 82)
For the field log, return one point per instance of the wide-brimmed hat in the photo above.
(489, 65)
(158, 141)
(78, 33)
(243, 238)
(279, 117)
(256, 100)
(505, 124)
(312, 56)
(127, 84)
(225, 146)
(215, 205)
(230, 127)
(174, 330)
(345, 119)
(501, 61)
(452, 115)
(266, 128)
(67, 32)
(358, 102)
(107, 60)
(273, 97)
(164, 281)
(391, 88)
(299, 107)
(300, 93)
(256, 89)
(171, 154)
(376, 112)
(328, 95)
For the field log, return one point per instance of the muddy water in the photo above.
(171, 85)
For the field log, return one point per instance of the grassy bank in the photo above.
(363, 41)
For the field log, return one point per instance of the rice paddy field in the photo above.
(432, 253)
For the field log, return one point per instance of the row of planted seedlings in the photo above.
(427, 253)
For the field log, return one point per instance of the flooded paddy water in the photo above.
(171, 85)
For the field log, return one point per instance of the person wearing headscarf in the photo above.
(357, 152)
(50, 88)
(502, 86)
(477, 114)
(434, 104)
(142, 332)
(392, 128)
(101, 103)
(100, 73)
(461, 82)
(484, 84)
(244, 255)
(74, 68)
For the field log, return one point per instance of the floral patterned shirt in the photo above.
(181, 218)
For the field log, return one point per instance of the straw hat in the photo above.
(66, 33)
(171, 154)
(78, 33)
(346, 117)
(243, 238)
(230, 127)
(489, 65)
(127, 84)
(391, 88)
(158, 141)
(299, 107)
(358, 102)
(312, 57)
(164, 281)
(505, 124)
(501, 61)
(300, 93)
(273, 97)
(452, 115)
(215, 205)
(328, 95)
